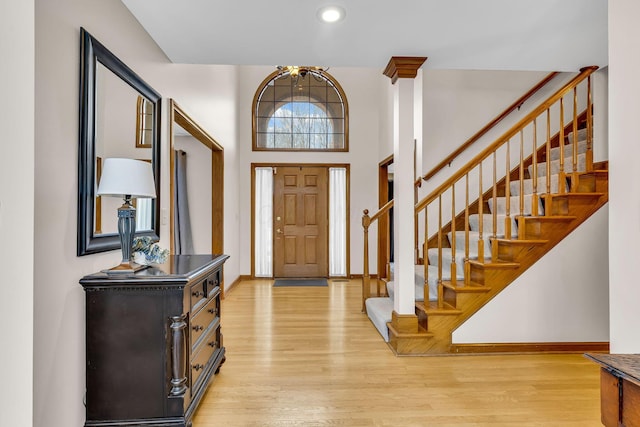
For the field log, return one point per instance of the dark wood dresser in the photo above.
(619, 389)
(153, 342)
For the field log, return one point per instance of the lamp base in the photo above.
(124, 268)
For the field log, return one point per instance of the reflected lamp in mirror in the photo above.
(126, 178)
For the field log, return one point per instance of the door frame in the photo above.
(347, 166)
(384, 224)
(179, 116)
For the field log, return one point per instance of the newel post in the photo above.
(366, 279)
(402, 71)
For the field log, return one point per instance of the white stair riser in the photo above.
(487, 225)
(514, 186)
(555, 166)
(473, 243)
(554, 153)
(514, 206)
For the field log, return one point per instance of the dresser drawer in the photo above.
(201, 321)
(202, 355)
(213, 284)
(198, 294)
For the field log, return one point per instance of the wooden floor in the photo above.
(309, 357)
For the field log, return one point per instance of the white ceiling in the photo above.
(561, 35)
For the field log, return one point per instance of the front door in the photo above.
(300, 222)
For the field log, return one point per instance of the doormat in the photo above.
(300, 282)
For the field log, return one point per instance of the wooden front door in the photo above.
(300, 222)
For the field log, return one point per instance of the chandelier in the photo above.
(298, 73)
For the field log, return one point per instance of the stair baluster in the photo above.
(589, 156)
(534, 209)
(561, 174)
(366, 279)
(548, 154)
(507, 191)
(425, 249)
(574, 143)
(440, 289)
(454, 267)
(494, 212)
(466, 227)
(481, 216)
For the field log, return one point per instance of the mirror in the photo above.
(119, 117)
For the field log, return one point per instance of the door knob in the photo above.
(278, 231)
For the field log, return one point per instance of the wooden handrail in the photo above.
(584, 73)
(383, 210)
(451, 157)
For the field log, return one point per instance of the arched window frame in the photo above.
(310, 70)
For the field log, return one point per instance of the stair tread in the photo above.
(522, 241)
(422, 333)
(595, 171)
(551, 218)
(432, 308)
(473, 284)
(496, 265)
(461, 288)
(578, 195)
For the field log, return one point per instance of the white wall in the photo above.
(561, 298)
(386, 117)
(624, 186)
(207, 93)
(360, 86)
(457, 103)
(17, 211)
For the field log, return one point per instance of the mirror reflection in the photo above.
(118, 110)
(119, 117)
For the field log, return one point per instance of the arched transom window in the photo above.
(300, 109)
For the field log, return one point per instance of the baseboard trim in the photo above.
(359, 276)
(235, 282)
(536, 347)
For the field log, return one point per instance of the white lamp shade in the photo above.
(131, 177)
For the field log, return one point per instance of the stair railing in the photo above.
(383, 212)
(529, 153)
(475, 137)
(520, 150)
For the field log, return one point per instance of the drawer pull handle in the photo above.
(198, 366)
(213, 310)
(198, 328)
(198, 294)
(213, 344)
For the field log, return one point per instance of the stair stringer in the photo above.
(441, 324)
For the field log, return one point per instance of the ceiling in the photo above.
(541, 35)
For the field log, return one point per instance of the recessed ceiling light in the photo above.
(331, 14)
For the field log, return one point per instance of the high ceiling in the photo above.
(561, 35)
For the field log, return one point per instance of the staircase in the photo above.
(550, 186)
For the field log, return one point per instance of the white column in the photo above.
(403, 205)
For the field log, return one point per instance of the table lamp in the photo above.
(126, 178)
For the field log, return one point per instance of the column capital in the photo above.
(403, 66)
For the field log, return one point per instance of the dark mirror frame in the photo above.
(92, 52)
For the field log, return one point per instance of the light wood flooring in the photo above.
(309, 357)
